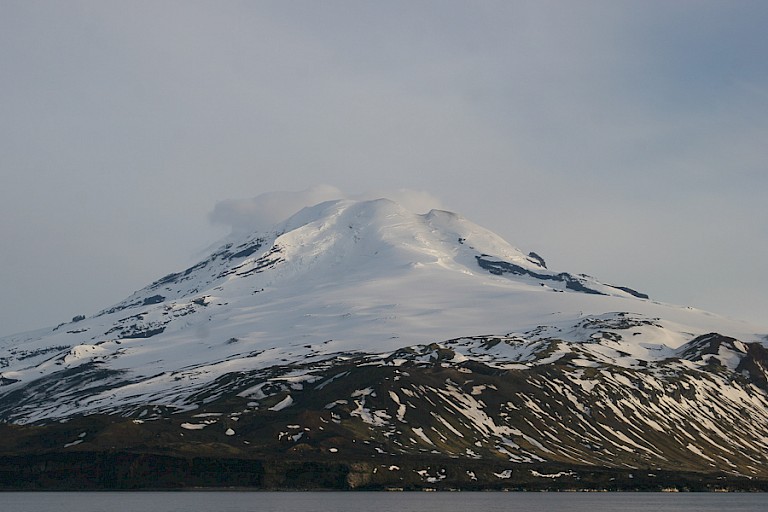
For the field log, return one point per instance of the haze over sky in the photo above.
(623, 139)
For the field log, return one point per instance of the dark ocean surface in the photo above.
(378, 502)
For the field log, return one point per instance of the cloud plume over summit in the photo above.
(265, 210)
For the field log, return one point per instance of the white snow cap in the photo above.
(262, 212)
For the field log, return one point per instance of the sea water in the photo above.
(185, 501)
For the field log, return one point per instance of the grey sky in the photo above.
(626, 140)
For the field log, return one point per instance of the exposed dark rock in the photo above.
(247, 251)
(79, 381)
(577, 286)
(537, 259)
(155, 299)
(27, 354)
(756, 365)
(146, 333)
(706, 344)
(504, 267)
(632, 292)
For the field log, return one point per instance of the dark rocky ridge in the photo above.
(571, 282)
(453, 424)
(150, 471)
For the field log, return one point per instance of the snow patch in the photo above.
(282, 404)
(194, 426)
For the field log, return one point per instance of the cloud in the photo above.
(265, 210)
(417, 201)
(262, 212)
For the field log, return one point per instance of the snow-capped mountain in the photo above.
(360, 327)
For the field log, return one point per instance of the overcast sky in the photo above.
(625, 140)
